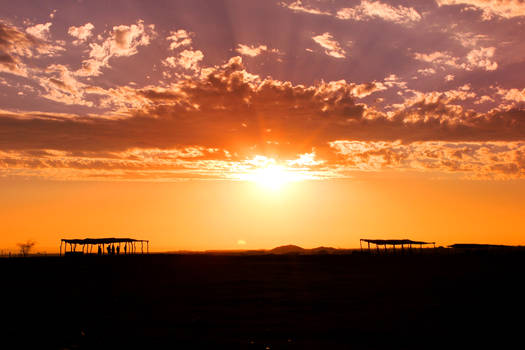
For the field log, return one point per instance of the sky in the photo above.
(250, 124)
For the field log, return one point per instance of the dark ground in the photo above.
(257, 302)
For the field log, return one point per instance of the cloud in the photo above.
(251, 51)
(333, 48)
(61, 86)
(82, 33)
(214, 124)
(187, 59)
(179, 38)
(40, 31)
(367, 10)
(297, 6)
(482, 58)
(440, 58)
(475, 59)
(123, 40)
(491, 8)
(493, 160)
(516, 96)
(15, 44)
(427, 71)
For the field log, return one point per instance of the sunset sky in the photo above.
(251, 124)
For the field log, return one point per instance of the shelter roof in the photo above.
(102, 240)
(394, 241)
(477, 246)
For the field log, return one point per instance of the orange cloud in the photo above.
(82, 33)
(212, 124)
(179, 38)
(374, 9)
(491, 8)
(251, 51)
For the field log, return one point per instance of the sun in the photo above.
(269, 175)
(272, 177)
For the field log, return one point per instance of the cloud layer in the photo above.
(430, 87)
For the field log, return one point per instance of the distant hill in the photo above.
(287, 249)
(323, 250)
(293, 249)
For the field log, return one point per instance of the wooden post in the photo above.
(361, 244)
(147, 246)
(142, 247)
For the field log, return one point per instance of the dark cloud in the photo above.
(231, 109)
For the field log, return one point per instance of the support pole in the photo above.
(147, 246)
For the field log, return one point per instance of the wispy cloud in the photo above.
(333, 48)
(123, 40)
(251, 51)
(367, 10)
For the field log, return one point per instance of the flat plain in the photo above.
(236, 301)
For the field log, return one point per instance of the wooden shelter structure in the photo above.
(393, 242)
(130, 246)
(477, 246)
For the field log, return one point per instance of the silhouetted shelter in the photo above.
(87, 245)
(477, 246)
(393, 242)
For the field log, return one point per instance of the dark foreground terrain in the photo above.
(419, 301)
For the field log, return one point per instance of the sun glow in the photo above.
(272, 177)
(269, 175)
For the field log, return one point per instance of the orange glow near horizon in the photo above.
(202, 215)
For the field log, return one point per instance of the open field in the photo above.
(263, 301)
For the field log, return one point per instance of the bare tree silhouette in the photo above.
(26, 247)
